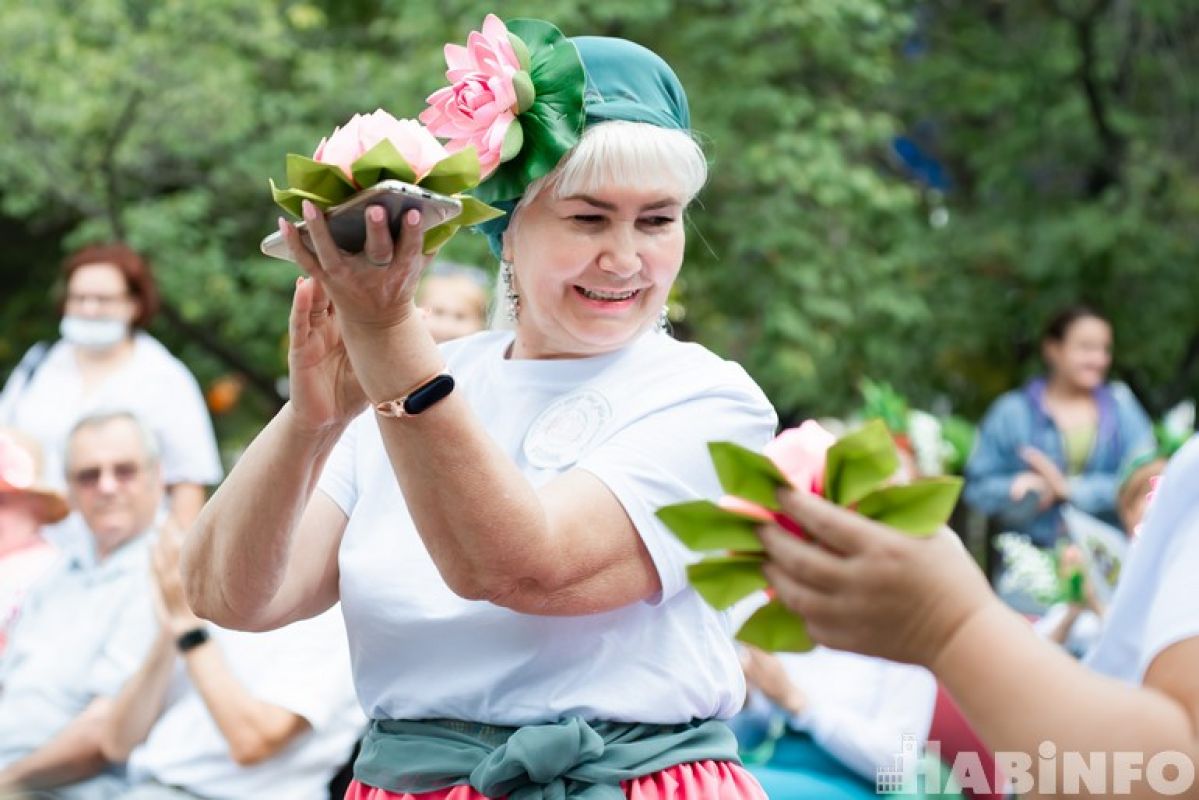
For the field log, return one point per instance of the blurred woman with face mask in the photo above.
(105, 360)
(1062, 438)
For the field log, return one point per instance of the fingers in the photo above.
(379, 250)
(299, 323)
(838, 528)
(808, 602)
(411, 240)
(805, 562)
(322, 242)
(305, 259)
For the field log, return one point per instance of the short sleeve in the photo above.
(1174, 615)
(662, 458)
(310, 674)
(189, 450)
(338, 479)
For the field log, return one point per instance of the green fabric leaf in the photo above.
(324, 184)
(291, 199)
(703, 525)
(919, 508)
(553, 123)
(776, 630)
(858, 463)
(746, 474)
(382, 162)
(326, 180)
(455, 174)
(525, 93)
(723, 580)
(474, 211)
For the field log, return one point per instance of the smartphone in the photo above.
(347, 223)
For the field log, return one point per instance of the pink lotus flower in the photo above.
(349, 142)
(17, 469)
(481, 103)
(800, 454)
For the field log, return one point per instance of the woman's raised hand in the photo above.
(374, 289)
(324, 390)
(868, 588)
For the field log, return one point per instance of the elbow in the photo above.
(258, 741)
(113, 748)
(250, 750)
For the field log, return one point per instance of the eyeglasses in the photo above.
(89, 477)
(99, 300)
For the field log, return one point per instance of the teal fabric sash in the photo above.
(571, 759)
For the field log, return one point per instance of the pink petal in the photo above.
(495, 30)
(457, 57)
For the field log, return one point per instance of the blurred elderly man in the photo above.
(86, 626)
(224, 715)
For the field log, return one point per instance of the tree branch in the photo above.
(202, 336)
(112, 185)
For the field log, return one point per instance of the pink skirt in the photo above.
(709, 780)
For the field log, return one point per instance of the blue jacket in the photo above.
(1018, 419)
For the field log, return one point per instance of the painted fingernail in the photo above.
(309, 209)
(376, 213)
(282, 226)
(413, 217)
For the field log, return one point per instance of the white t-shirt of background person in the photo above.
(152, 384)
(1156, 604)
(304, 668)
(860, 708)
(639, 419)
(19, 572)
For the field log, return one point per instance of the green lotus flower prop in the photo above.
(376, 147)
(853, 472)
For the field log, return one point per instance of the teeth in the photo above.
(610, 296)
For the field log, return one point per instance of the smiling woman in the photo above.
(509, 594)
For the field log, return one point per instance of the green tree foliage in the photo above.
(1067, 128)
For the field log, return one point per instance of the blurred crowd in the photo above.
(111, 687)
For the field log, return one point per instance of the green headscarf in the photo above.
(625, 81)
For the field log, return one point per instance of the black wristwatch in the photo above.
(192, 639)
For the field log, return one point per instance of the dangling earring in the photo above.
(663, 324)
(512, 299)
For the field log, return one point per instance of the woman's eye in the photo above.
(657, 222)
(588, 219)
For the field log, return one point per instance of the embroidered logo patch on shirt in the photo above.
(560, 434)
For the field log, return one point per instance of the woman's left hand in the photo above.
(373, 289)
(865, 587)
(170, 604)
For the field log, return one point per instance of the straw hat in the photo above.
(20, 466)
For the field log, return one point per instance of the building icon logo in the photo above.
(900, 776)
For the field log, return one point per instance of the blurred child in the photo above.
(454, 302)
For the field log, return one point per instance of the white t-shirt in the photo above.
(640, 420)
(1156, 604)
(152, 384)
(304, 668)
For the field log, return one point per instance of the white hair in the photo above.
(148, 440)
(619, 153)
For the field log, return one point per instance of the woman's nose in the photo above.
(621, 256)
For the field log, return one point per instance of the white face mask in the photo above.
(93, 334)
